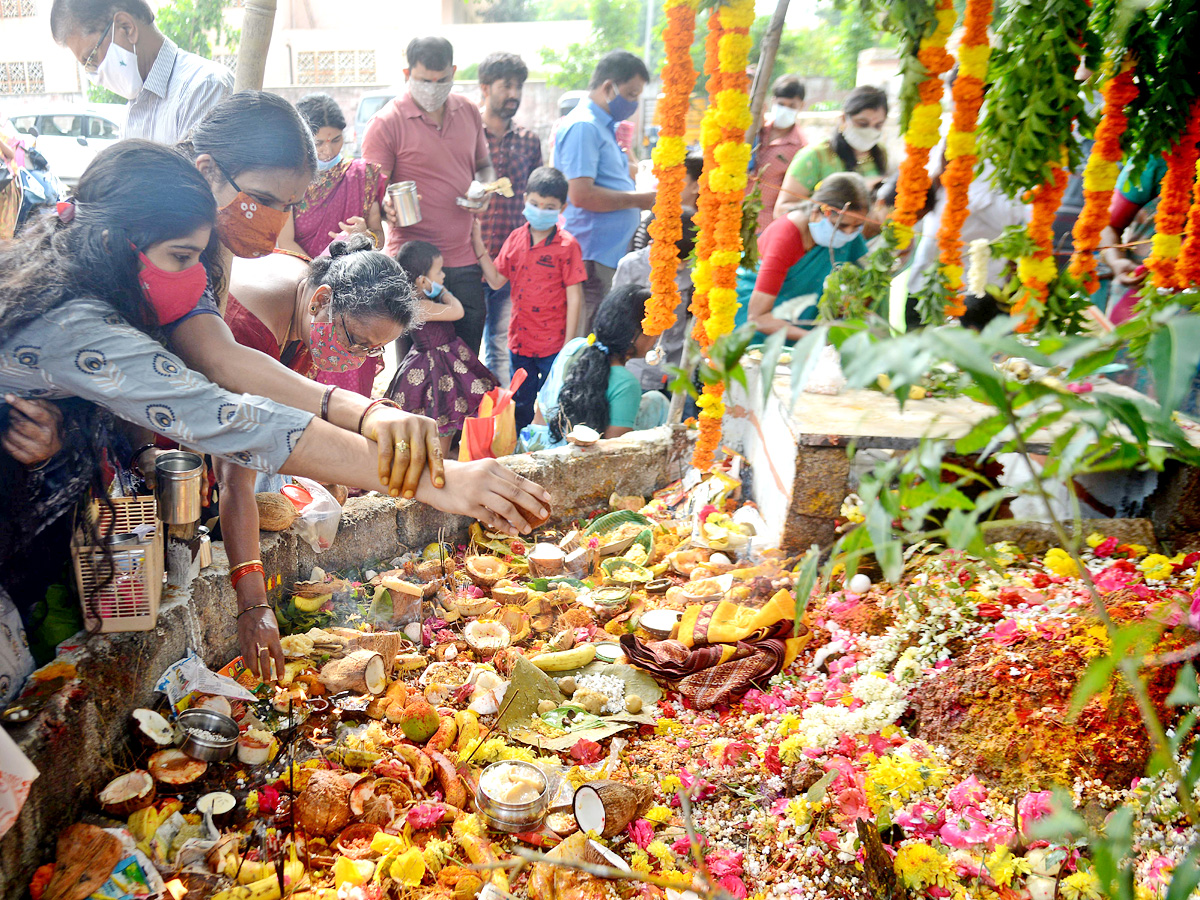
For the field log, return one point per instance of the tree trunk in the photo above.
(257, 24)
(766, 68)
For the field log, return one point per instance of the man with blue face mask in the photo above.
(603, 209)
(120, 49)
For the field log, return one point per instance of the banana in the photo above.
(410, 662)
(565, 660)
(443, 738)
(252, 871)
(264, 889)
(417, 761)
(468, 728)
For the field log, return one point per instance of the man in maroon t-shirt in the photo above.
(435, 138)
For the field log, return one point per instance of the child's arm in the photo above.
(490, 273)
(574, 305)
(447, 308)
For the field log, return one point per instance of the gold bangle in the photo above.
(246, 565)
(255, 606)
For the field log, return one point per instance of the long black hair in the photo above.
(134, 193)
(365, 283)
(254, 130)
(583, 399)
(321, 111)
(861, 98)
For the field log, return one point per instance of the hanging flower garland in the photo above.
(724, 130)
(924, 127)
(678, 77)
(973, 56)
(708, 202)
(1188, 268)
(1038, 270)
(1100, 175)
(1175, 198)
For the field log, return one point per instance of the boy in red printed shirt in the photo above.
(545, 266)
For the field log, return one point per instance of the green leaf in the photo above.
(1186, 691)
(816, 793)
(806, 579)
(804, 358)
(771, 351)
(1172, 355)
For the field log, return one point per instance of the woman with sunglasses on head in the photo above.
(798, 251)
(85, 298)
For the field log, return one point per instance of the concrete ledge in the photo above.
(79, 741)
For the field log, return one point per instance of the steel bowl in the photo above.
(201, 747)
(513, 817)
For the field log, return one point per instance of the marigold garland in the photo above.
(1100, 175)
(924, 126)
(678, 77)
(727, 159)
(960, 147)
(1038, 270)
(1175, 199)
(1188, 267)
(709, 202)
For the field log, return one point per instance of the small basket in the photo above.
(129, 602)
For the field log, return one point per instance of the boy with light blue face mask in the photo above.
(544, 264)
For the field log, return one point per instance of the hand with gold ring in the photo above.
(407, 443)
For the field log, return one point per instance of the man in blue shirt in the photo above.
(602, 212)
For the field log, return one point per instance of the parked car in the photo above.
(71, 136)
(368, 105)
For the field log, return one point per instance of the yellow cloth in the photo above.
(730, 622)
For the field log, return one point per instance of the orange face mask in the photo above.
(246, 227)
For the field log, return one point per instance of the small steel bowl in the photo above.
(513, 818)
(659, 623)
(207, 720)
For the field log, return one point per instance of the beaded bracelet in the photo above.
(255, 606)
(325, 401)
(382, 401)
(243, 571)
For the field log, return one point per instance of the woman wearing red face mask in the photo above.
(86, 300)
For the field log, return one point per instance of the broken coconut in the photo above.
(85, 858)
(127, 793)
(361, 672)
(486, 637)
(175, 768)
(152, 729)
(485, 571)
(324, 806)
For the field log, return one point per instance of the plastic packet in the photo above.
(319, 518)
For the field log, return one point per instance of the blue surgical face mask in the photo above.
(434, 291)
(325, 166)
(826, 235)
(540, 219)
(621, 107)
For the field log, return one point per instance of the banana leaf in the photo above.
(613, 520)
(625, 571)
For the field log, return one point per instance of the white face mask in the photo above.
(861, 139)
(783, 116)
(118, 71)
(430, 95)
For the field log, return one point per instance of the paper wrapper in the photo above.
(16, 777)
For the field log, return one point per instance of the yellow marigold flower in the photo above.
(681, 881)
(1058, 561)
(973, 61)
(1003, 866)
(1156, 567)
(788, 724)
(945, 23)
(1030, 268)
(671, 785)
(755, 720)
(725, 258)
(1101, 174)
(659, 815)
(919, 865)
(960, 143)
(723, 182)
(904, 235)
(734, 49)
(669, 152)
(953, 275)
(737, 14)
(667, 727)
(1166, 246)
(1080, 886)
(924, 125)
(1137, 549)
(1094, 540)
(790, 748)
(662, 853)
(800, 812)
(639, 861)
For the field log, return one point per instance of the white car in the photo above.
(71, 137)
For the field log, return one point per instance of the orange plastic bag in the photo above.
(493, 432)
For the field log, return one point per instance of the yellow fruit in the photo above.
(310, 604)
(352, 872)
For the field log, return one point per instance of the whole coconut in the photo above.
(324, 806)
(419, 721)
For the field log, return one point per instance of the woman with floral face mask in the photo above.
(86, 299)
(798, 251)
(257, 155)
(853, 147)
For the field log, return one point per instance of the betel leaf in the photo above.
(1172, 354)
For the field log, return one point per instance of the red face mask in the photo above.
(171, 294)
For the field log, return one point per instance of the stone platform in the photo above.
(79, 741)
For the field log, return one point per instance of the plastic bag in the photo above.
(319, 518)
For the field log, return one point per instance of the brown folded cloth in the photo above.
(717, 673)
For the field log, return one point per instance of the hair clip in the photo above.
(66, 211)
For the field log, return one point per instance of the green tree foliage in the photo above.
(191, 23)
(508, 10)
(616, 25)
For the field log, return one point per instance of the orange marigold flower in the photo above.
(1175, 196)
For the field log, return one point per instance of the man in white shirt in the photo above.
(119, 47)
